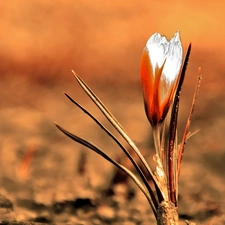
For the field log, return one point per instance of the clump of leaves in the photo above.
(162, 76)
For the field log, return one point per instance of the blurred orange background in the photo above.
(46, 39)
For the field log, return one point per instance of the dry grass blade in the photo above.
(97, 101)
(120, 145)
(108, 158)
(185, 136)
(119, 128)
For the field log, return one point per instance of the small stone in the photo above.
(106, 212)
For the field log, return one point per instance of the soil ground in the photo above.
(65, 183)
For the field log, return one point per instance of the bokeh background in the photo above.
(46, 39)
(102, 40)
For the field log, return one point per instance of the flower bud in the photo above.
(160, 69)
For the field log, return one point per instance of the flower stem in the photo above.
(156, 138)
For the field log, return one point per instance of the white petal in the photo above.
(160, 49)
(173, 59)
(157, 47)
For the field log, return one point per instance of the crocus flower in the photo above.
(160, 69)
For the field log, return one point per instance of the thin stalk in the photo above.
(175, 157)
(164, 145)
(185, 136)
(172, 132)
(104, 155)
(119, 128)
(171, 152)
(120, 145)
(160, 171)
(157, 142)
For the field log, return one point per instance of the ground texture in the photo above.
(65, 183)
